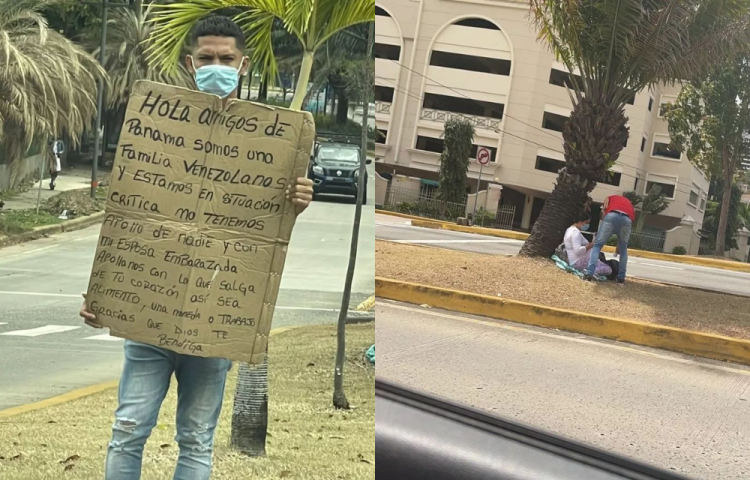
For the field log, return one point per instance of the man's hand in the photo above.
(88, 317)
(300, 193)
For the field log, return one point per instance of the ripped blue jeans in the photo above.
(143, 386)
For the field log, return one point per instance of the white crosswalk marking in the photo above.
(45, 330)
(106, 337)
(3, 323)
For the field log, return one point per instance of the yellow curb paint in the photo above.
(641, 333)
(64, 398)
(492, 232)
(88, 391)
(367, 305)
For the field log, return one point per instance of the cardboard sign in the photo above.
(197, 224)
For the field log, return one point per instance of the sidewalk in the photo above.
(70, 179)
(307, 438)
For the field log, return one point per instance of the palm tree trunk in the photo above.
(263, 90)
(250, 413)
(249, 84)
(721, 234)
(593, 138)
(304, 79)
(342, 107)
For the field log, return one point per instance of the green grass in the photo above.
(20, 221)
(308, 439)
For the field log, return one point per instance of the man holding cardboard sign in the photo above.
(204, 194)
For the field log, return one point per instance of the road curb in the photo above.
(689, 342)
(396, 214)
(492, 232)
(90, 390)
(47, 230)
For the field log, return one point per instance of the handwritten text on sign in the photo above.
(192, 248)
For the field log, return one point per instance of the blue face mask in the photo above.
(584, 227)
(220, 80)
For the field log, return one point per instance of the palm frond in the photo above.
(47, 84)
(622, 46)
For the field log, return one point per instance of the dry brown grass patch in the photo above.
(539, 281)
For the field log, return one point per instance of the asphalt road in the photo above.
(41, 283)
(674, 411)
(400, 230)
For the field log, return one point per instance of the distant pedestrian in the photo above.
(55, 166)
(619, 216)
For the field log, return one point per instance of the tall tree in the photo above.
(128, 38)
(454, 161)
(47, 83)
(714, 209)
(710, 122)
(620, 48)
(313, 22)
(73, 19)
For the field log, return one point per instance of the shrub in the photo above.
(679, 250)
(484, 217)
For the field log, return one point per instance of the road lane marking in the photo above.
(3, 323)
(105, 337)
(45, 330)
(658, 266)
(564, 336)
(89, 237)
(508, 241)
(28, 252)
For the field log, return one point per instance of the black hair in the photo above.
(219, 26)
(582, 216)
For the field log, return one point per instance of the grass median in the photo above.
(308, 438)
(540, 282)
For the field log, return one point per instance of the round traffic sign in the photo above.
(483, 155)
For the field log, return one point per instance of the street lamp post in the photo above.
(99, 102)
(100, 93)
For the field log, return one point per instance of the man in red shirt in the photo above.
(619, 216)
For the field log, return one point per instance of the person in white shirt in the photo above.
(579, 249)
(54, 164)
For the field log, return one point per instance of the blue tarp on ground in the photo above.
(370, 354)
(563, 265)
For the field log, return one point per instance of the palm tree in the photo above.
(331, 64)
(312, 22)
(128, 37)
(620, 48)
(47, 83)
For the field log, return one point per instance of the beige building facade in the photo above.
(480, 59)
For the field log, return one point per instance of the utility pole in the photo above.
(100, 94)
(339, 397)
(99, 103)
